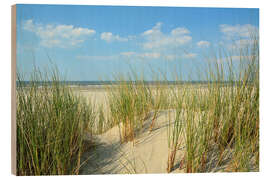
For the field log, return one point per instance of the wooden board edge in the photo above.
(13, 90)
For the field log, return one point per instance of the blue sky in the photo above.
(95, 42)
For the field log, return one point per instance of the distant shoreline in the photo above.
(98, 83)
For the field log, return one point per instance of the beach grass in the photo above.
(129, 105)
(215, 123)
(221, 120)
(51, 123)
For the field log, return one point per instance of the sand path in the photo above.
(147, 154)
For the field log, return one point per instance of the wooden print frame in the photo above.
(171, 117)
(13, 89)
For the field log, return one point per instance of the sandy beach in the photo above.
(147, 153)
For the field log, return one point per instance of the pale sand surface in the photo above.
(148, 153)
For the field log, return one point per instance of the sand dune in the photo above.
(148, 153)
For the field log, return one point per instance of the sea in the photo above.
(90, 83)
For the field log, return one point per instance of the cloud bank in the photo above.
(244, 31)
(203, 44)
(156, 39)
(109, 37)
(63, 36)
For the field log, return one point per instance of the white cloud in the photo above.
(245, 42)
(171, 57)
(189, 55)
(241, 44)
(238, 31)
(234, 58)
(202, 44)
(155, 39)
(132, 55)
(236, 45)
(154, 32)
(109, 37)
(88, 57)
(153, 55)
(145, 55)
(138, 56)
(63, 36)
(128, 54)
(179, 31)
(28, 25)
(237, 37)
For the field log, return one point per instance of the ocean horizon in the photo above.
(89, 83)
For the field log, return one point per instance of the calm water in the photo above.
(86, 83)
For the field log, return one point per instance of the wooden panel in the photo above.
(13, 89)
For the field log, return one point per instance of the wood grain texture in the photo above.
(13, 89)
